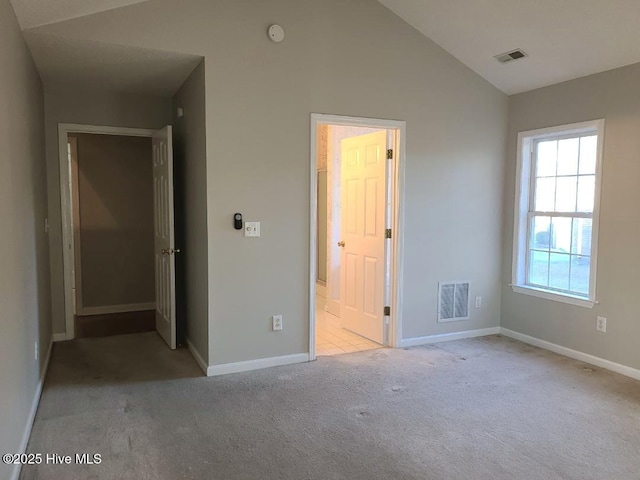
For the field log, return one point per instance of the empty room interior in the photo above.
(337, 239)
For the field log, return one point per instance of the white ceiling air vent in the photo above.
(507, 57)
(453, 301)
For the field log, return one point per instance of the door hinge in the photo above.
(387, 311)
(389, 153)
(387, 233)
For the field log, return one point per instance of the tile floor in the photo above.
(331, 339)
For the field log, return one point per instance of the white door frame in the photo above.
(398, 127)
(66, 205)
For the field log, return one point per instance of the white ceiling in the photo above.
(97, 65)
(33, 13)
(564, 39)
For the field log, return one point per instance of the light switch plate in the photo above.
(251, 229)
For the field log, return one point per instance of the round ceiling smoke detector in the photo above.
(276, 33)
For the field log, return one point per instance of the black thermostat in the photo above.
(237, 221)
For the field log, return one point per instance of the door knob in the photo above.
(165, 251)
(341, 244)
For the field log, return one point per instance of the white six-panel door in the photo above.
(363, 191)
(164, 236)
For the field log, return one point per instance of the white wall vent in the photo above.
(507, 57)
(453, 301)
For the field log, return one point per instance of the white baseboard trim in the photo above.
(32, 414)
(133, 307)
(59, 337)
(236, 367)
(575, 354)
(196, 355)
(447, 337)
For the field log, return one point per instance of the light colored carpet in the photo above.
(486, 408)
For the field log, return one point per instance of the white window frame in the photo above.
(526, 142)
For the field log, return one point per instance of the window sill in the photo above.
(556, 297)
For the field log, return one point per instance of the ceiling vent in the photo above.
(453, 301)
(507, 57)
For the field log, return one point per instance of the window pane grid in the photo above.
(559, 256)
(560, 207)
(562, 179)
(566, 176)
(543, 213)
(566, 136)
(546, 165)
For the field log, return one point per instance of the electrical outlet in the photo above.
(35, 349)
(277, 322)
(478, 302)
(601, 324)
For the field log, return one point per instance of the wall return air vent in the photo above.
(507, 57)
(453, 301)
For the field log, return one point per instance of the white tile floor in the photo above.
(331, 339)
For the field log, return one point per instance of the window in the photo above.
(556, 214)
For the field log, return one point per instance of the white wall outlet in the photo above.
(478, 301)
(601, 324)
(251, 229)
(35, 350)
(277, 322)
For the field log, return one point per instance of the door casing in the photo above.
(395, 222)
(66, 203)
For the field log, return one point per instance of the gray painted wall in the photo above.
(66, 105)
(614, 96)
(115, 187)
(190, 157)
(24, 254)
(352, 58)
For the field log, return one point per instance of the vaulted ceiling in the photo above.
(105, 66)
(33, 13)
(563, 39)
(98, 65)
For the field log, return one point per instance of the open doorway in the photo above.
(356, 199)
(117, 203)
(112, 196)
